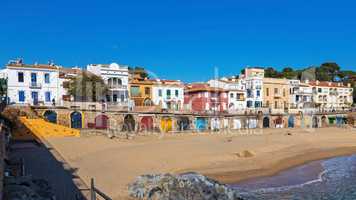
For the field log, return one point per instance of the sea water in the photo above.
(332, 179)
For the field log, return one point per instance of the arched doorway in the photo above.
(146, 123)
(237, 124)
(266, 122)
(315, 122)
(201, 123)
(279, 122)
(183, 123)
(291, 121)
(50, 116)
(251, 123)
(215, 124)
(129, 123)
(101, 122)
(147, 102)
(76, 120)
(166, 124)
(324, 123)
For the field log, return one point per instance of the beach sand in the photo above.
(115, 163)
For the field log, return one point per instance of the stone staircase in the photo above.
(43, 129)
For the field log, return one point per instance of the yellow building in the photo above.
(275, 93)
(141, 91)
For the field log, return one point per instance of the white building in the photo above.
(331, 96)
(236, 92)
(36, 84)
(300, 94)
(168, 94)
(116, 77)
(253, 78)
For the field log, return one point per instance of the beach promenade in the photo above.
(229, 158)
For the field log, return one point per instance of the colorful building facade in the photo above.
(168, 94)
(253, 78)
(276, 93)
(331, 96)
(236, 92)
(36, 84)
(202, 98)
(141, 92)
(116, 77)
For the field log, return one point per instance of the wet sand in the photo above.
(115, 163)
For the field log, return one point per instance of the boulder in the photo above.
(190, 186)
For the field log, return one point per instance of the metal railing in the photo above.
(35, 85)
(94, 191)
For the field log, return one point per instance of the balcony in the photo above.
(117, 87)
(277, 95)
(35, 85)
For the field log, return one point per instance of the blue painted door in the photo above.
(291, 122)
(200, 124)
(76, 120)
(34, 97)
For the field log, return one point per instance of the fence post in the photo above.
(92, 189)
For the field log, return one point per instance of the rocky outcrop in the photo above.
(190, 186)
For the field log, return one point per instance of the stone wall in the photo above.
(116, 120)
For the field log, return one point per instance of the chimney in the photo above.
(348, 84)
(329, 83)
(307, 81)
(317, 82)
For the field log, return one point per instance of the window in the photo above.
(231, 95)
(275, 90)
(258, 104)
(47, 96)
(22, 96)
(267, 91)
(135, 91)
(258, 93)
(275, 104)
(319, 89)
(46, 77)
(20, 77)
(249, 104)
(207, 107)
(147, 91)
(238, 96)
(249, 94)
(284, 92)
(160, 92)
(33, 78)
(267, 103)
(168, 92)
(177, 93)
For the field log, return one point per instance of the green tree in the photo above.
(289, 73)
(139, 71)
(270, 72)
(327, 71)
(87, 87)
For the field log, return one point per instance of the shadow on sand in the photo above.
(43, 162)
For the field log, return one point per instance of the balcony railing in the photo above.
(117, 86)
(35, 85)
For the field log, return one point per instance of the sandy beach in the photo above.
(115, 163)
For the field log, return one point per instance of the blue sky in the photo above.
(180, 39)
